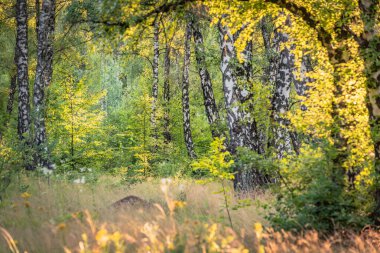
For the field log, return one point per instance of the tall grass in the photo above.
(59, 216)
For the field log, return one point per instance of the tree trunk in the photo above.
(44, 72)
(254, 136)
(156, 54)
(280, 100)
(21, 59)
(340, 56)
(271, 52)
(11, 95)
(230, 89)
(167, 135)
(236, 81)
(185, 95)
(301, 87)
(38, 14)
(279, 73)
(301, 84)
(208, 93)
(242, 127)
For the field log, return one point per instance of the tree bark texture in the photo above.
(280, 100)
(185, 95)
(156, 55)
(44, 73)
(21, 59)
(167, 135)
(242, 126)
(208, 93)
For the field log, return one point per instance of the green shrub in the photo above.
(311, 194)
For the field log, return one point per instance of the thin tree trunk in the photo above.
(185, 95)
(179, 74)
(271, 47)
(167, 135)
(72, 149)
(21, 59)
(11, 95)
(44, 72)
(271, 52)
(38, 14)
(208, 93)
(156, 53)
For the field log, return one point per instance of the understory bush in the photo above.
(312, 194)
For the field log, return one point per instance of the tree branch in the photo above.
(164, 8)
(323, 36)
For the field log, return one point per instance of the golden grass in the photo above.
(66, 217)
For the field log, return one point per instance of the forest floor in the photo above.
(40, 215)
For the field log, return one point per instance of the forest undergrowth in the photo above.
(58, 215)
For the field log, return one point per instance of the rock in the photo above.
(132, 202)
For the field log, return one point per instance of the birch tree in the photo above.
(281, 95)
(254, 137)
(44, 72)
(156, 54)
(167, 135)
(208, 93)
(230, 89)
(11, 95)
(185, 94)
(21, 59)
(242, 126)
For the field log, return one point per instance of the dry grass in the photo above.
(66, 217)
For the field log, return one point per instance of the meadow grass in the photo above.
(53, 215)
